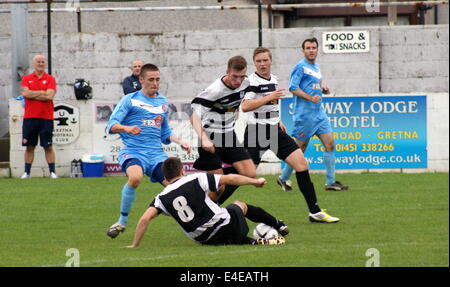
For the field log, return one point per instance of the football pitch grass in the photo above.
(404, 216)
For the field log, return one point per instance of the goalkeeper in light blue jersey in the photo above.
(141, 120)
(309, 117)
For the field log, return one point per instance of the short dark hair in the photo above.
(260, 50)
(237, 63)
(310, 40)
(172, 168)
(146, 68)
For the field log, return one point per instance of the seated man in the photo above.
(186, 200)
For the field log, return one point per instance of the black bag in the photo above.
(82, 90)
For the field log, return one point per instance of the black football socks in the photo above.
(28, 168)
(51, 167)
(257, 214)
(229, 189)
(307, 188)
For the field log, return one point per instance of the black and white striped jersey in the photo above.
(261, 87)
(186, 200)
(218, 105)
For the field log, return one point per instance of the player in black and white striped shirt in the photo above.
(186, 200)
(265, 131)
(213, 119)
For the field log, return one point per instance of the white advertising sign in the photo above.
(104, 143)
(346, 42)
(66, 124)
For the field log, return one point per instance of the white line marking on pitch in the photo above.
(163, 257)
(361, 245)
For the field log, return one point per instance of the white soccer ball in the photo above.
(264, 231)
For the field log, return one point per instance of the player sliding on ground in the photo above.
(186, 200)
(265, 131)
(141, 120)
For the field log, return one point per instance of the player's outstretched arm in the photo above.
(142, 225)
(236, 179)
(252, 104)
(184, 145)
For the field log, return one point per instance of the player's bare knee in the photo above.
(242, 205)
(302, 164)
(31, 148)
(329, 148)
(328, 145)
(134, 180)
(251, 173)
(297, 160)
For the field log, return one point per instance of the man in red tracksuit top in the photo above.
(38, 89)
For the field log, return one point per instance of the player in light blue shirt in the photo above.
(141, 120)
(309, 117)
(307, 77)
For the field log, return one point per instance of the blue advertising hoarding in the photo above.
(373, 132)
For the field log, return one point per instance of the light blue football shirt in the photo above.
(150, 115)
(307, 77)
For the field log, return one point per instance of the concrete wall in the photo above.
(166, 21)
(5, 81)
(141, 22)
(415, 60)
(402, 59)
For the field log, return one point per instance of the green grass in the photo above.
(404, 216)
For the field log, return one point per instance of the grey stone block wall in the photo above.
(414, 59)
(5, 82)
(401, 59)
(142, 22)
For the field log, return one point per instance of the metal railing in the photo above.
(217, 7)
